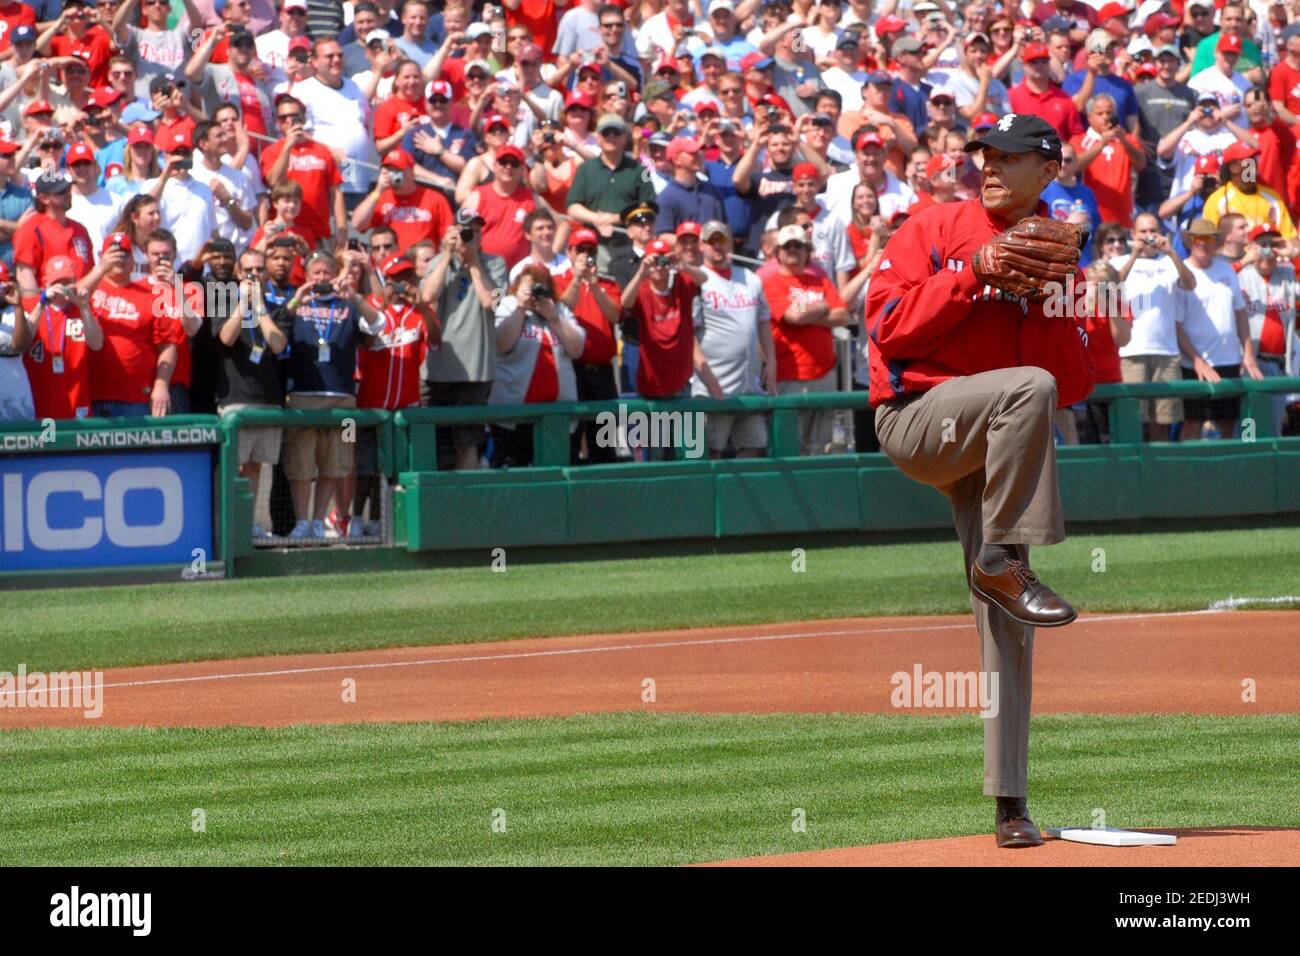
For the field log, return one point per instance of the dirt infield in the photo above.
(1191, 662)
(1222, 846)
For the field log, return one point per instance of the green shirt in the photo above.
(1204, 59)
(602, 189)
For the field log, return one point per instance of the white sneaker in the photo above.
(301, 530)
(356, 527)
(318, 530)
(259, 532)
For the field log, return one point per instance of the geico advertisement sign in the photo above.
(86, 511)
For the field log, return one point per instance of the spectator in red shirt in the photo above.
(48, 232)
(805, 307)
(66, 330)
(1039, 96)
(168, 98)
(1108, 156)
(1109, 324)
(1277, 147)
(416, 213)
(312, 166)
(1284, 80)
(180, 321)
(504, 203)
(12, 16)
(401, 112)
(75, 33)
(130, 375)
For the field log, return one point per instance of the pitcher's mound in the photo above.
(1221, 846)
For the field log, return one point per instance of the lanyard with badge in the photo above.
(56, 350)
(323, 339)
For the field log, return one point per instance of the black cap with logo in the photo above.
(1020, 133)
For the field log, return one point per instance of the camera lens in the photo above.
(467, 235)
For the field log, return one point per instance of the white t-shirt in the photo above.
(556, 266)
(273, 48)
(1157, 304)
(188, 212)
(821, 44)
(240, 190)
(1211, 321)
(340, 119)
(832, 250)
(1229, 89)
(848, 85)
(727, 314)
(98, 212)
(1195, 144)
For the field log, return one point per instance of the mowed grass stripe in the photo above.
(108, 627)
(621, 789)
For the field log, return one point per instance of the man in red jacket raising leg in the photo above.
(965, 379)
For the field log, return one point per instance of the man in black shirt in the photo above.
(214, 270)
(248, 343)
(639, 223)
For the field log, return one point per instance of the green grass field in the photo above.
(612, 789)
(100, 627)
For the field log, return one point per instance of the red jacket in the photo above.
(929, 320)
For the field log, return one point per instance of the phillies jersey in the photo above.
(56, 364)
(124, 369)
(389, 369)
(930, 319)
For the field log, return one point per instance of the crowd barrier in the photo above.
(88, 498)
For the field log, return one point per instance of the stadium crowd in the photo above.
(214, 205)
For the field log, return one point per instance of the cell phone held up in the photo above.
(322, 289)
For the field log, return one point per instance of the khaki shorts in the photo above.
(815, 427)
(261, 445)
(318, 452)
(743, 431)
(1154, 368)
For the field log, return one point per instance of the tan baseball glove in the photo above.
(1031, 259)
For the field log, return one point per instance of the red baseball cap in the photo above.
(7, 148)
(1239, 151)
(658, 247)
(439, 88)
(890, 24)
(395, 266)
(1228, 43)
(583, 237)
(1157, 22)
(682, 144)
(937, 164)
(398, 159)
(666, 63)
(581, 100)
(984, 121)
(116, 240)
(804, 171)
(105, 96)
(688, 229)
(80, 153)
(59, 268)
(171, 140)
(38, 106)
(1113, 10)
(511, 150)
(5, 275)
(704, 105)
(139, 133)
(1264, 229)
(1208, 164)
(1035, 51)
(496, 119)
(299, 43)
(869, 138)
(751, 60)
(771, 99)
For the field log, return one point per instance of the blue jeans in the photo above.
(119, 409)
(1272, 368)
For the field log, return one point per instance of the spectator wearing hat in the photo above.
(1067, 196)
(1276, 167)
(686, 197)
(441, 146)
(15, 200)
(831, 250)
(273, 45)
(154, 48)
(75, 33)
(21, 40)
(311, 164)
(13, 16)
(910, 94)
(102, 120)
(1163, 105)
(1208, 130)
(168, 98)
(240, 80)
(1037, 95)
(1082, 18)
(847, 76)
(1155, 281)
(875, 97)
(724, 28)
(1222, 78)
(66, 332)
(1215, 339)
(1098, 76)
(607, 184)
(188, 206)
(1232, 22)
(527, 76)
(504, 203)
(1242, 193)
(1271, 290)
(49, 233)
(594, 301)
(939, 185)
(1108, 157)
(15, 338)
(1284, 79)
(459, 289)
(496, 135)
(235, 203)
(537, 341)
(414, 212)
(894, 195)
(93, 206)
(805, 308)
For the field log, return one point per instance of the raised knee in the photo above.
(1038, 384)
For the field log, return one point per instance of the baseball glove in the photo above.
(1030, 258)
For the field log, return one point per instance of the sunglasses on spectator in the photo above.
(382, 246)
(641, 221)
(612, 133)
(943, 101)
(439, 100)
(509, 162)
(588, 249)
(613, 25)
(289, 117)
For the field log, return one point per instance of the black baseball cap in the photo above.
(1020, 133)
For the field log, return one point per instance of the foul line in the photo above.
(610, 648)
(1233, 602)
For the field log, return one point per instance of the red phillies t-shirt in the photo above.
(250, 109)
(12, 16)
(311, 166)
(803, 352)
(599, 348)
(123, 370)
(389, 369)
(1110, 176)
(1102, 348)
(544, 383)
(171, 320)
(41, 238)
(96, 48)
(503, 221)
(1284, 85)
(539, 16)
(392, 113)
(667, 334)
(421, 214)
(60, 343)
(181, 124)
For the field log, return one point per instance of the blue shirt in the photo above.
(678, 204)
(1116, 87)
(114, 152)
(1061, 202)
(737, 210)
(336, 322)
(910, 103)
(735, 49)
(14, 201)
(465, 149)
(421, 54)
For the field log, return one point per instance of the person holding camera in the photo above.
(66, 332)
(537, 341)
(414, 212)
(188, 207)
(15, 338)
(325, 323)
(1206, 130)
(49, 233)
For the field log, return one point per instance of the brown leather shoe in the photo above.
(1018, 591)
(1014, 828)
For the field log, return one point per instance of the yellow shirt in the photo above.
(1263, 207)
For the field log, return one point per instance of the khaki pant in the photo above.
(815, 427)
(985, 441)
(1137, 369)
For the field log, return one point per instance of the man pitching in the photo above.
(967, 370)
